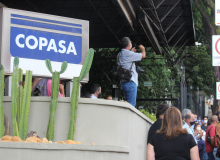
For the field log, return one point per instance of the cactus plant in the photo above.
(75, 93)
(25, 106)
(74, 102)
(2, 126)
(14, 96)
(54, 97)
(20, 94)
(20, 100)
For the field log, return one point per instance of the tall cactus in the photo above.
(75, 93)
(25, 106)
(21, 98)
(2, 126)
(14, 96)
(54, 97)
(20, 94)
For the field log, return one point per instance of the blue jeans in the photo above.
(214, 154)
(211, 156)
(130, 89)
(205, 156)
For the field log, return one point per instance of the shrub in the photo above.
(152, 116)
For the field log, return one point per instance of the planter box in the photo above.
(103, 122)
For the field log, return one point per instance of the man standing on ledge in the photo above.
(126, 58)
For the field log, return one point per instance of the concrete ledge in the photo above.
(103, 122)
(89, 101)
(57, 146)
(47, 151)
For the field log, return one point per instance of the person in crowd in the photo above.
(156, 126)
(217, 132)
(95, 91)
(210, 132)
(184, 113)
(204, 127)
(109, 97)
(86, 95)
(205, 123)
(196, 120)
(126, 58)
(218, 114)
(209, 122)
(200, 121)
(42, 87)
(172, 141)
(200, 141)
(190, 121)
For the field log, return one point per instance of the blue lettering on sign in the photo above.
(33, 44)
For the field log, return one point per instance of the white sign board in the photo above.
(216, 50)
(147, 83)
(35, 37)
(218, 90)
(217, 12)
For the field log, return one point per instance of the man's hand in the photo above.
(142, 51)
(141, 47)
(133, 49)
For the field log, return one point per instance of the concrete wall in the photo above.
(103, 122)
(46, 151)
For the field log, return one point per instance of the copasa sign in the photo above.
(27, 43)
(216, 50)
(35, 37)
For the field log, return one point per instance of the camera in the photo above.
(137, 47)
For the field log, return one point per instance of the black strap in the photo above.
(118, 61)
(209, 131)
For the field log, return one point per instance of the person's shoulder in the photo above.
(210, 128)
(186, 137)
(156, 135)
(185, 125)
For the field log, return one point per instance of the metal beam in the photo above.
(104, 21)
(168, 27)
(182, 46)
(169, 11)
(176, 31)
(179, 39)
(149, 32)
(159, 4)
(128, 12)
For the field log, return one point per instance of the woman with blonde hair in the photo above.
(172, 141)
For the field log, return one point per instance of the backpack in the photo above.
(40, 89)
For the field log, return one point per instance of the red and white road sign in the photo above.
(217, 12)
(218, 90)
(216, 50)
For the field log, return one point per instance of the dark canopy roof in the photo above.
(156, 23)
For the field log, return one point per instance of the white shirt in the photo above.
(93, 97)
(126, 58)
(190, 131)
